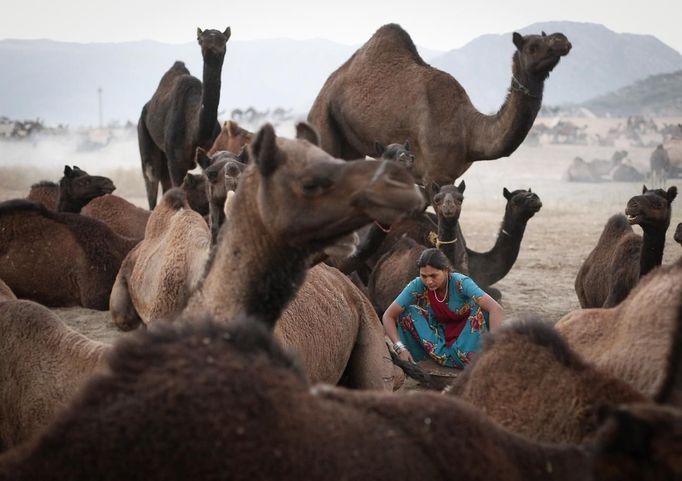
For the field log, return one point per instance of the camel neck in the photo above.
(367, 247)
(249, 272)
(653, 243)
(210, 99)
(448, 241)
(495, 136)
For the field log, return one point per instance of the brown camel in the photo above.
(181, 115)
(75, 189)
(123, 217)
(357, 105)
(58, 258)
(678, 234)
(639, 340)
(622, 257)
(527, 379)
(293, 201)
(213, 401)
(222, 169)
(157, 277)
(44, 364)
(231, 138)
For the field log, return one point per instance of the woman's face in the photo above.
(432, 277)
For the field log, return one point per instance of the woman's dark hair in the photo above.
(434, 258)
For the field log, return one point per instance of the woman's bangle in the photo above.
(398, 347)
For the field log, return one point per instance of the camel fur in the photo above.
(678, 234)
(622, 257)
(638, 340)
(44, 364)
(6, 293)
(181, 115)
(75, 189)
(58, 258)
(156, 279)
(527, 379)
(123, 217)
(357, 105)
(293, 201)
(232, 138)
(211, 401)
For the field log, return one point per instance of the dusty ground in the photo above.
(557, 239)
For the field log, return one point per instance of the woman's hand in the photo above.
(406, 356)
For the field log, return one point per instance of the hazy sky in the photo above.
(437, 24)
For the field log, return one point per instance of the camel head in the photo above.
(400, 153)
(652, 208)
(213, 43)
(447, 200)
(196, 190)
(222, 169)
(79, 188)
(522, 204)
(233, 170)
(537, 55)
(311, 199)
(232, 138)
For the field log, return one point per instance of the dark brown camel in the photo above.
(527, 379)
(357, 105)
(232, 138)
(195, 187)
(222, 169)
(75, 189)
(400, 153)
(640, 339)
(293, 201)
(211, 401)
(678, 234)
(622, 257)
(58, 258)
(181, 115)
(123, 217)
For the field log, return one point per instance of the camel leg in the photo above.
(175, 169)
(123, 312)
(152, 160)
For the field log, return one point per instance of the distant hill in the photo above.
(58, 81)
(600, 62)
(657, 95)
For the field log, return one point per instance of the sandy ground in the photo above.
(556, 241)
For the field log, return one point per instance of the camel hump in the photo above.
(538, 332)
(616, 226)
(175, 199)
(391, 37)
(24, 205)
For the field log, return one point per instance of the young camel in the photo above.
(75, 189)
(58, 258)
(207, 400)
(156, 278)
(622, 257)
(293, 201)
(231, 138)
(640, 339)
(527, 379)
(44, 364)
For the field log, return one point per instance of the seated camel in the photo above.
(293, 201)
(44, 364)
(58, 258)
(622, 257)
(157, 277)
(640, 339)
(581, 171)
(204, 398)
(123, 217)
(527, 379)
(231, 138)
(222, 169)
(75, 189)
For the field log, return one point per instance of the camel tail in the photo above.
(418, 374)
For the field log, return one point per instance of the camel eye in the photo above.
(532, 49)
(315, 185)
(438, 199)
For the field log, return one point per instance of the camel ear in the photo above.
(407, 146)
(307, 132)
(227, 34)
(530, 190)
(518, 40)
(379, 149)
(630, 434)
(506, 193)
(199, 32)
(202, 158)
(461, 187)
(232, 128)
(543, 33)
(243, 156)
(672, 193)
(264, 151)
(68, 172)
(435, 188)
(644, 189)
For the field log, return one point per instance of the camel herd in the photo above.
(252, 290)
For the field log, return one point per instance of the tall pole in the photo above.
(99, 94)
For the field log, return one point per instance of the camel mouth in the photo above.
(633, 219)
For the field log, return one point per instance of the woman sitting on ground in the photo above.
(441, 314)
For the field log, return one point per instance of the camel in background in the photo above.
(357, 105)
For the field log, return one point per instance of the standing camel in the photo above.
(357, 104)
(181, 115)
